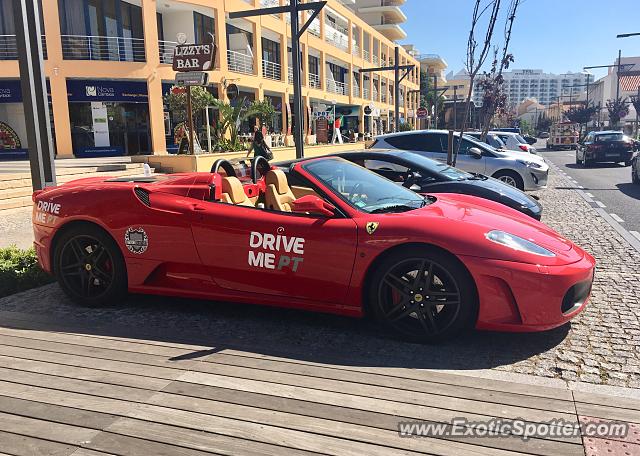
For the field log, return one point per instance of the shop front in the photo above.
(109, 117)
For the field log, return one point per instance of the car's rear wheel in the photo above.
(510, 178)
(89, 266)
(423, 295)
(627, 163)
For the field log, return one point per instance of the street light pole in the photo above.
(455, 107)
(396, 68)
(294, 8)
(618, 75)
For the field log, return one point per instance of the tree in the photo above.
(263, 110)
(581, 115)
(427, 94)
(176, 100)
(544, 123)
(474, 62)
(618, 109)
(226, 129)
(405, 126)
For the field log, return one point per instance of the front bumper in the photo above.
(535, 179)
(521, 297)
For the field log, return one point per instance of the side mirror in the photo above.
(415, 188)
(312, 204)
(475, 152)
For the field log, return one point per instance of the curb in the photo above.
(630, 238)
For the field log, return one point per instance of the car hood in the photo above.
(508, 191)
(520, 156)
(461, 222)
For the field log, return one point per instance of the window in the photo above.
(314, 65)
(203, 26)
(418, 142)
(270, 50)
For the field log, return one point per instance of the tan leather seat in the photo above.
(233, 193)
(279, 196)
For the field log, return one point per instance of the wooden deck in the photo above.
(74, 391)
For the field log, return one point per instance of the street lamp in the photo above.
(627, 35)
(293, 9)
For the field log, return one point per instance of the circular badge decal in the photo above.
(136, 240)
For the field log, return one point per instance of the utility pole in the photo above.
(618, 75)
(396, 68)
(294, 8)
(455, 107)
(34, 93)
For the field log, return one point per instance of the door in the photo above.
(276, 253)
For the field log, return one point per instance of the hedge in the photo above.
(19, 271)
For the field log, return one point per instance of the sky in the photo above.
(555, 36)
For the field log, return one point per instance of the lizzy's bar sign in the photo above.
(194, 57)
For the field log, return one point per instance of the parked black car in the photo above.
(531, 140)
(605, 146)
(424, 175)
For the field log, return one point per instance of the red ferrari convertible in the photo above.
(324, 235)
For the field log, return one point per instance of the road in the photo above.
(609, 184)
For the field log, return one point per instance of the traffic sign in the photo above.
(192, 78)
(232, 91)
(367, 110)
(422, 113)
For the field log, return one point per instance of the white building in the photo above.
(544, 87)
(385, 16)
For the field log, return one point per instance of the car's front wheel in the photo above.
(89, 266)
(423, 294)
(510, 178)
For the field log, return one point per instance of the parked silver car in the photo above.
(515, 142)
(524, 171)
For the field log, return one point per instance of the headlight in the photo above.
(517, 243)
(529, 164)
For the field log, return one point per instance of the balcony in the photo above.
(383, 98)
(355, 49)
(336, 87)
(375, 60)
(271, 70)
(366, 55)
(109, 48)
(166, 48)
(314, 81)
(239, 62)
(290, 74)
(9, 47)
(314, 28)
(366, 93)
(356, 91)
(337, 36)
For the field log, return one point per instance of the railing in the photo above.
(239, 62)
(337, 37)
(383, 98)
(375, 94)
(366, 55)
(270, 4)
(314, 28)
(356, 91)
(366, 93)
(271, 70)
(166, 48)
(9, 47)
(355, 49)
(334, 86)
(112, 48)
(314, 81)
(375, 60)
(290, 74)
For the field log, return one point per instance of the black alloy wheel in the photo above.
(425, 298)
(89, 267)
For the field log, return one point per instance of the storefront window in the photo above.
(204, 25)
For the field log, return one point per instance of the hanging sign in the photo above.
(232, 91)
(192, 78)
(194, 57)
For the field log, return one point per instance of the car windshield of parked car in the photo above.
(609, 137)
(364, 189)
(521, 140)
(449, 172)
(477, 143)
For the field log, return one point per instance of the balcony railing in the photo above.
(375, 60)
(366, 93)
(166, 48)
(366, 55)
(271, 70)
(336, 37)
(356, 91)
(314, 81)
(239, 62)
(336, 87)
(375, 94)
(314, 28)
(383, 98)
(112, 48)
(355, 49)
(290, 74)
(9, 47)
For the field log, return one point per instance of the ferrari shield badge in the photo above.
(136, 240)
(371, 227)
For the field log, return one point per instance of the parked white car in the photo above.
(515, 142)
(524, 171)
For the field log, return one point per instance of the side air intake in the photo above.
(143, 196)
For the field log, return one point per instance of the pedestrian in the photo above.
(260, 147)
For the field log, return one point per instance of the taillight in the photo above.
(523, 147)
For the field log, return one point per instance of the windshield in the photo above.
(363, 189)
(436, 167)
(520, 139)
(477, 143)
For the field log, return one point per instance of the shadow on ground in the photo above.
(265, 330)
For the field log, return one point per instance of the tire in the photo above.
(89, 266)
(627, 163)
(393, 293)
(578, 161)
(511, 178)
